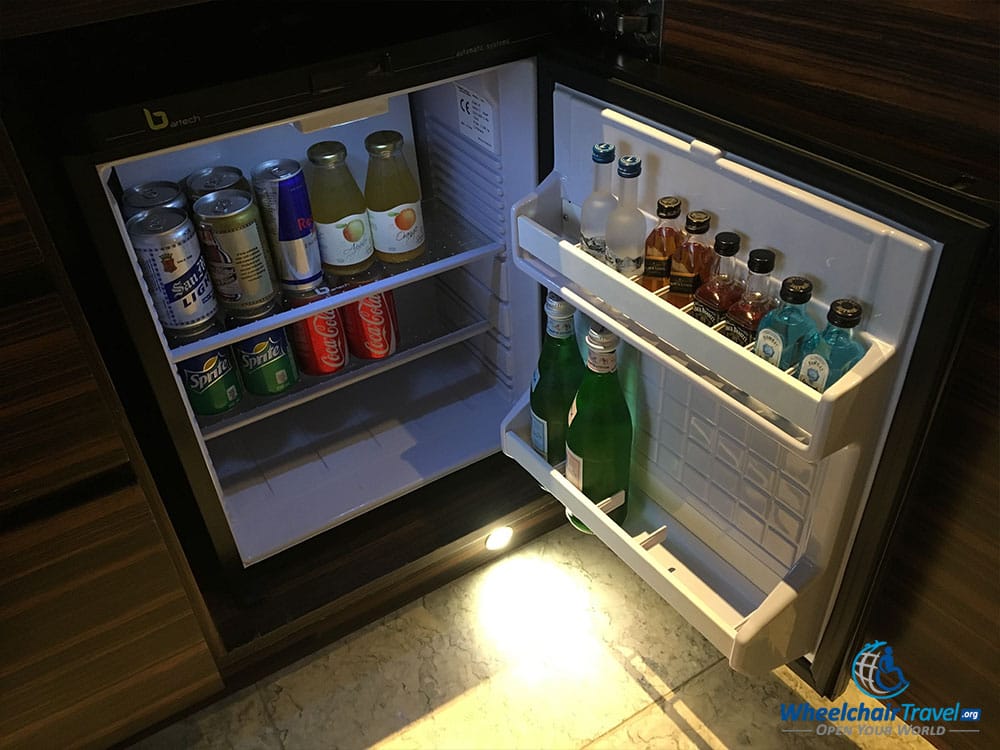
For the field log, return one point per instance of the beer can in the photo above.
(172, 263)
(370, 323)
(212, 179)
(149, 195)
(319, 342)
(284, 205)
(265, 360)
(210, 379)
(232, 238)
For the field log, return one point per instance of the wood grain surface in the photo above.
(97, 636)
(908, 82)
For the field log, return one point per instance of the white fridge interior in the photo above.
(746, 485)
(288, 467)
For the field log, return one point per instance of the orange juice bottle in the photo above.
(393, 199)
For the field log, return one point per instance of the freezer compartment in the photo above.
(759, 620)
(813, 424)
(306, 470)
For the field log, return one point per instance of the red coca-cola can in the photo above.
(319, 342)
(371, 323)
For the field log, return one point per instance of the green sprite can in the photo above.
(210, 379)
(265, 359)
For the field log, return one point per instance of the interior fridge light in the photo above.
(499, 538)
(343, 114)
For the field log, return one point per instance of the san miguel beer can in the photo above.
(232, 238)
(371, 324)
(265, 360)
(209, 379)
(149, 195)
(167, 249)
(212, 179)
(319, 342)
(284, 204)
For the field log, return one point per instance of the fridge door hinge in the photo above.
(633, 27)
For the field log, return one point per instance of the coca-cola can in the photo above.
(371, 323)
(319, 342)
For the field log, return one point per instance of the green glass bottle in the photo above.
(556, 380)
(599, 438)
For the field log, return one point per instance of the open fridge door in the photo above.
(747, 486)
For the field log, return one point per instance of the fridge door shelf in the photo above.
(812, 424)
(424, 330)
(757, 630)
(451, 243)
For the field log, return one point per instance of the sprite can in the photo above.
(210, 379)
(265, 360)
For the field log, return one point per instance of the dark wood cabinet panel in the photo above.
(97, 636)
(57, 426)
(19, 17)
(913, 84)
(18, 250)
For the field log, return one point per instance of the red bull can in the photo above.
(284, 206)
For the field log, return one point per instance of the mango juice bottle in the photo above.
(393, 199)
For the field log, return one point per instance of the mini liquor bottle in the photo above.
(743, 318)
(556, 381)
(599, 204)
(626, 230)
(723, 288)
(831, 354)
(662, 244)
(785, 330)
(690, 258)
(599, 436)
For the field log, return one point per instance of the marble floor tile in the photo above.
(237, 722)
(720, 709)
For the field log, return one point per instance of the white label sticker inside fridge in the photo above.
(475, 117)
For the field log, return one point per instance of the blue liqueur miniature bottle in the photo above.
(831, 354)
(599, 204)
(785, 330)
(626, 231)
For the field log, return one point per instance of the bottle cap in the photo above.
(383, 142)
(668, 207)
(697, 222)
(558, 308)
(600, 339)
(327, 153)
(603, 153)
(727, 243)
(796, 290)
(761, 261)
(629, 166)
(844, 313)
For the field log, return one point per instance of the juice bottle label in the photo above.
(814, 371)
(345, 242)
(769, 346)
(399, 229)
(539, 434)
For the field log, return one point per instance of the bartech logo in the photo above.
(876, 674)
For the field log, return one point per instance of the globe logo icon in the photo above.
(876, 674)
